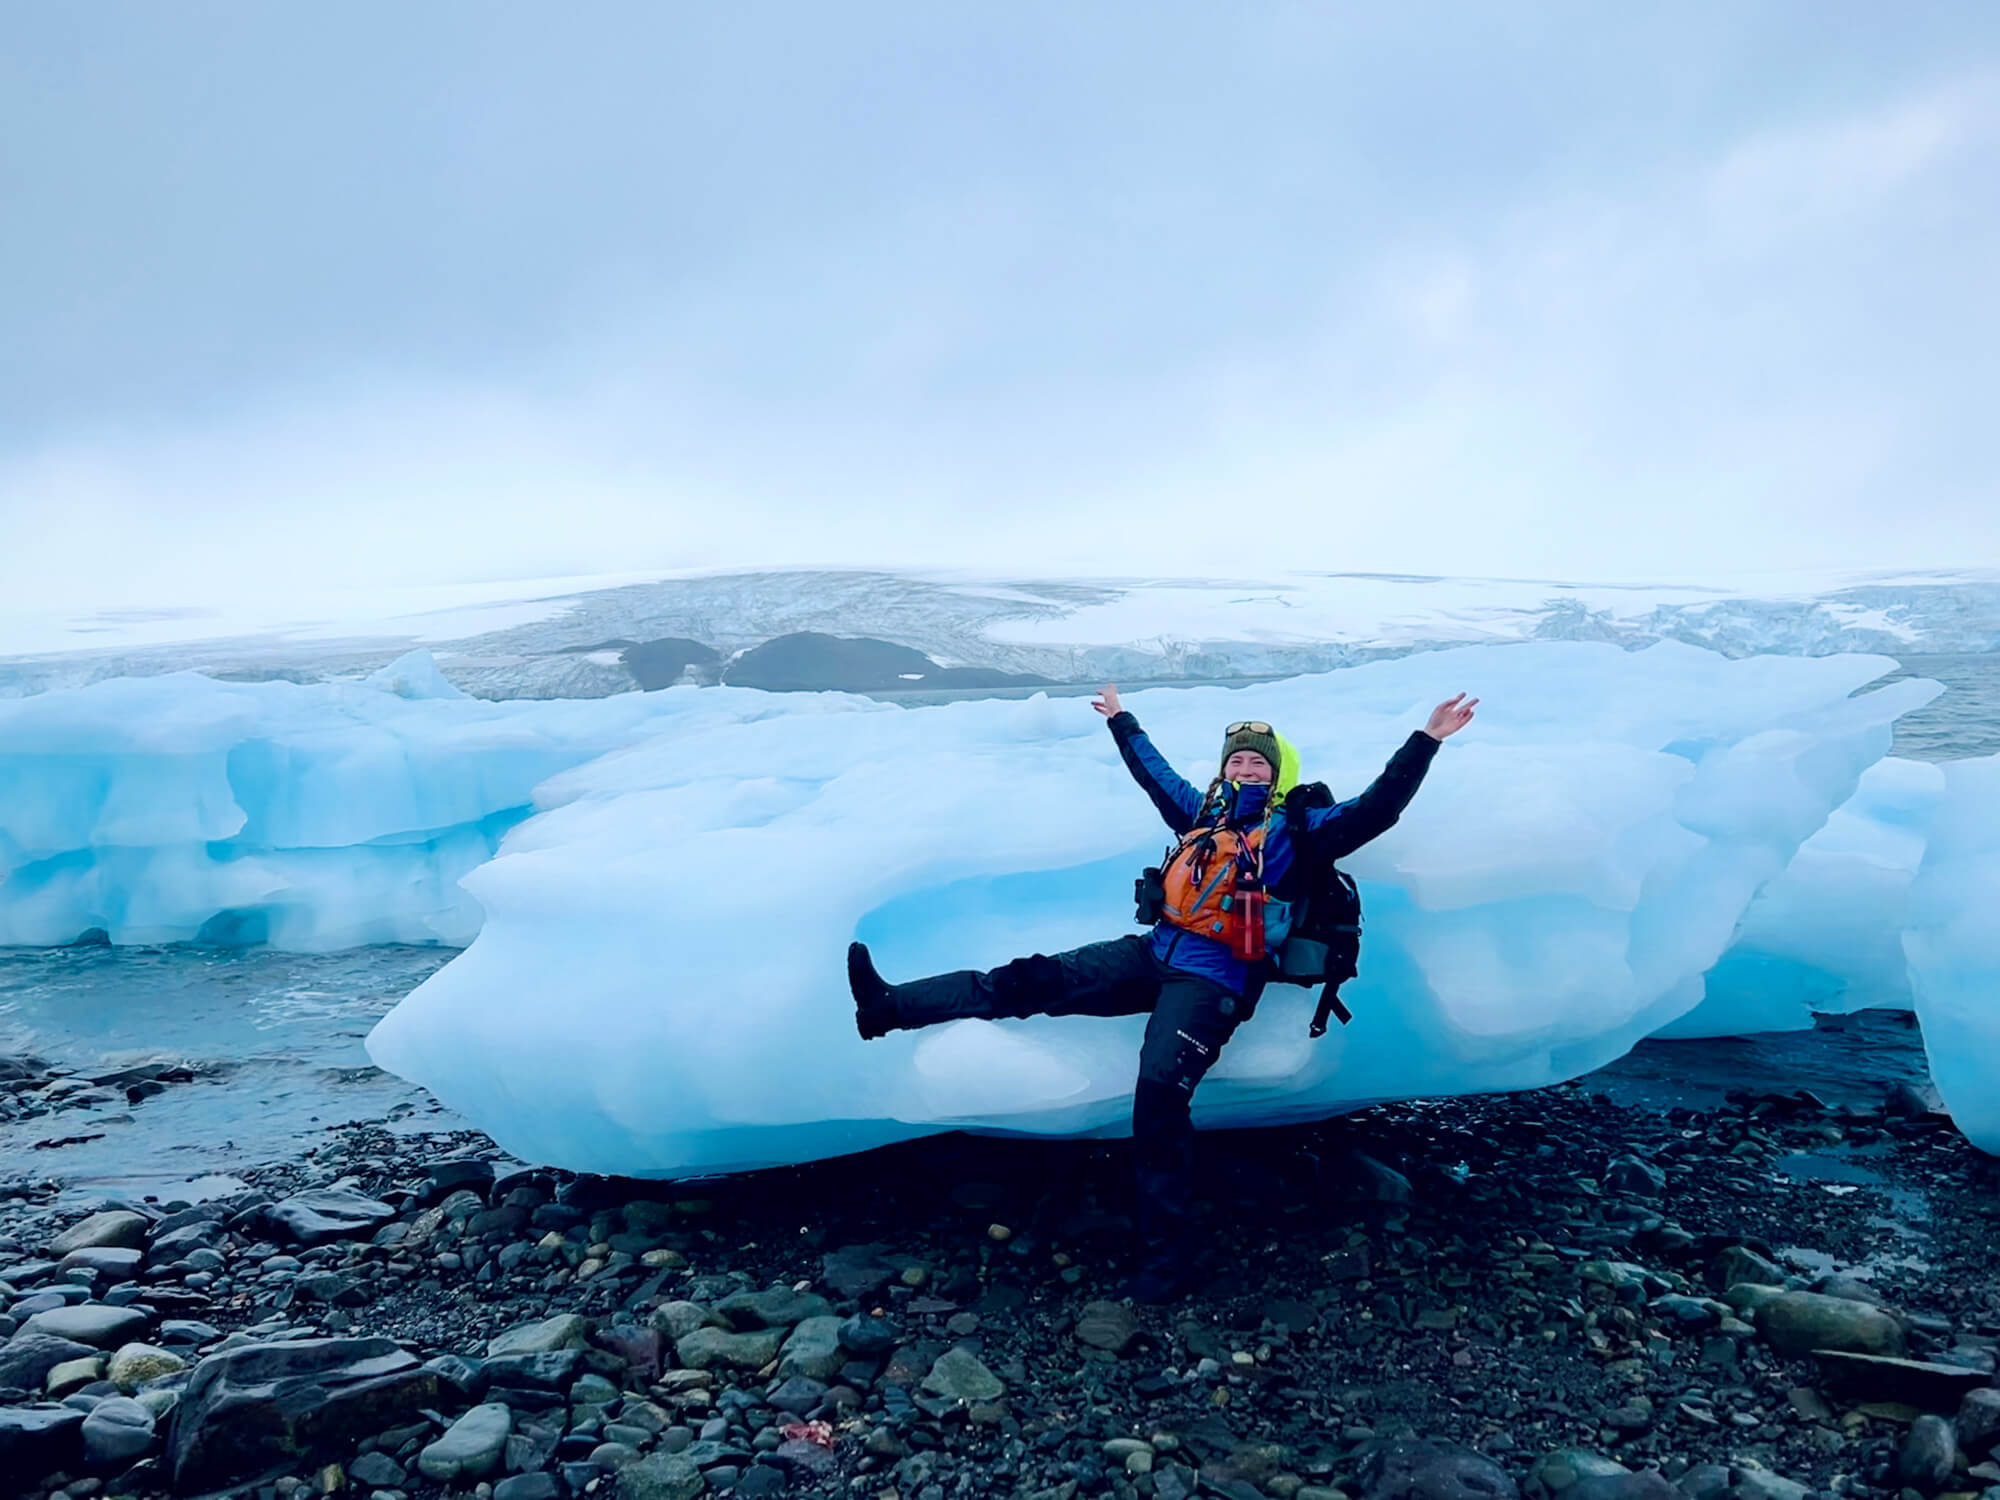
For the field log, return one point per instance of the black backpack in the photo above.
(1324, 945)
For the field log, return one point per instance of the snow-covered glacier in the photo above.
(1953, 943)
(312, 817)
(658, 986)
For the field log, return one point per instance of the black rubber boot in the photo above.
(874, 1005)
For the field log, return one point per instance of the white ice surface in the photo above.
(1953, 943)
(658, 988)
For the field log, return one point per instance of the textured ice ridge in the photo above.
(658, 986)
(176, 808)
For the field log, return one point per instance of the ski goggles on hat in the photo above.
(1252, 726)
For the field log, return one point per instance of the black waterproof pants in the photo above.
(1191, 1019)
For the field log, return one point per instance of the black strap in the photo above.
(1330, 1004)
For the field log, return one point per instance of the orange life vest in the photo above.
(1214, 886)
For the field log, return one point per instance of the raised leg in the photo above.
(1117, 978)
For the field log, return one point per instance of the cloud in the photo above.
(1767, 348)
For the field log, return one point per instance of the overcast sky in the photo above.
(377, 293)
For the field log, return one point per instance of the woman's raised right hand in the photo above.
(1107, 701)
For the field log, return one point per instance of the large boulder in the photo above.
(322, 1214)
(246, 1409)
(38, 1440)
(27, 1358)
(115, 1228)
(92, 1323)
(1800, 1322)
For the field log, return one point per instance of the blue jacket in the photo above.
(1295, 845)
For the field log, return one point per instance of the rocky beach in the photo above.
(1540, 1294)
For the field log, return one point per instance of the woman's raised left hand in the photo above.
(1450, 716)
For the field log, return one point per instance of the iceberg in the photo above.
(658, 988)
(1826, 937)
(1953, 944)
(312, 817)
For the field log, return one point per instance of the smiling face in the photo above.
(1247, 765)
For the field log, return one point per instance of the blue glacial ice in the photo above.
(1953, 944)
(317, 817)
(1826, 936)
(658, 988)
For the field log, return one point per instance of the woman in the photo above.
(1200, 970)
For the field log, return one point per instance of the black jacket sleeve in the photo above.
(1330, 833)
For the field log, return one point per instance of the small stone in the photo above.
(1634, 1177)
(188, 1331)
(106, 1263)
(114, 1228)
(472, 1448)
(377, 1471)
(116, 1431)
(1111, 1326)
(564, 1331)
(960, 1376)
(707, 1348)
(1979, 1420)
(778, 1308)
(674, 1321)
(1927, 1456)
(74, 1375)
(527, 1487)
(813, 1350)
(662, 1476)
(135, 1364)
(1560, 1471)
(1753, 1483)
(869, 1337)
(1740, 1265)
(94, 1324)
(323, 1214)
